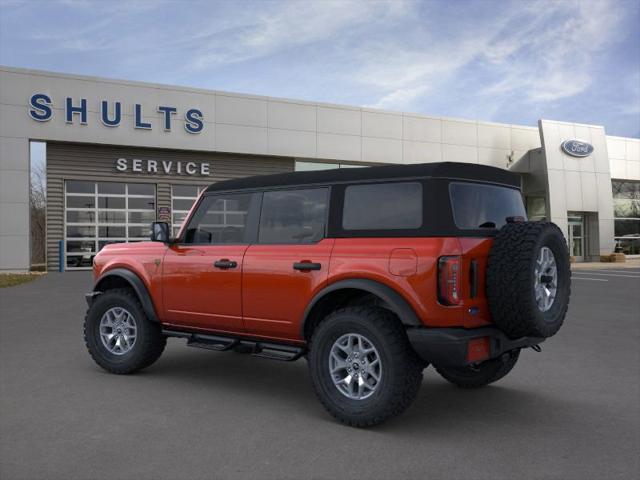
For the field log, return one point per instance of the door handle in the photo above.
(225, 264)
(304, 266)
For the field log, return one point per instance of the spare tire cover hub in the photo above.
(546, 279)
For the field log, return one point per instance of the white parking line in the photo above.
(608, 274)
(629, 271)
(594, 279)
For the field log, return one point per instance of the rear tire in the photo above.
(118, 313)
(376, 334)
(487, 372)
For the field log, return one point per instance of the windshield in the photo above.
(476, 206)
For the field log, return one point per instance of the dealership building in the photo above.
(120, 154)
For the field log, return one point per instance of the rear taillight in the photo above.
(449, 280)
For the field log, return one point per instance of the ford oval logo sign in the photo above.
(577, 148)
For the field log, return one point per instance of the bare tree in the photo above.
(37, 208)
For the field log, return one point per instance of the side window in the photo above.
(219, 219)
(383, 206)
(293, 216)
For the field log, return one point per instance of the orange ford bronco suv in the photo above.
(371, 274)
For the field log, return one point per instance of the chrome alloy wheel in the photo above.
(546, 279)
(118, 330)
(355, 366)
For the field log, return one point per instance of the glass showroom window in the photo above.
(536, 208)
(626, 210)
(182, 199)
(311, 166)
(98, 213)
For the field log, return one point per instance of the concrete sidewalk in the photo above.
(630, 263)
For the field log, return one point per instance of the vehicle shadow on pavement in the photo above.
(230, 374)
(439, 406)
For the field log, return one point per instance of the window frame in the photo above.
(328, 197)
(251, 227)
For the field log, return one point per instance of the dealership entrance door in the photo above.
(577, 237)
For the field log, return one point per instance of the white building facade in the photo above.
(120, 154)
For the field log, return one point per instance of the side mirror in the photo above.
(160, 232)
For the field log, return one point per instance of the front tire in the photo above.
(481, 375)
(119, 336)
(362, 366)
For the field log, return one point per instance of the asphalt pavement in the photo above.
(570, 412)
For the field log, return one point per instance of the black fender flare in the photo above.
(138, 286)
(397, 304)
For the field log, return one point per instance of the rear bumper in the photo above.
(449, 347)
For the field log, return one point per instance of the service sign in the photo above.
(577, 148)
(162, 167)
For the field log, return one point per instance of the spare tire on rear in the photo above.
(529, 279)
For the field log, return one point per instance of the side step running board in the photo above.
(211, 342)
(274, 351)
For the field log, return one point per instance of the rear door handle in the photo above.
(306, 266)
(225, 264)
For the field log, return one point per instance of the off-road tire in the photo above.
(484, 374)
(402, 371)
(149, 344)
(511, 276)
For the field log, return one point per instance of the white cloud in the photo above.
(550, 58)
(400, 97)
(539, 51)
(405, 75)
(256, 34)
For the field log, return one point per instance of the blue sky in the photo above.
(502, 61)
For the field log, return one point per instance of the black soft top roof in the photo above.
(453, 170)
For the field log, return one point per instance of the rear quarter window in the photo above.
(383, 206)
(477, 206)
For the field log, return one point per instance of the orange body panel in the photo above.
(383, 259)
(198, 294)
(274, 294)
(264, 296)
(142, 258)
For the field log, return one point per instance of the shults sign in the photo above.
(41, 110)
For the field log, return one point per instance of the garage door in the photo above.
(98, 213)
